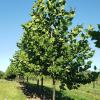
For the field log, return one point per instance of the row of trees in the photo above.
(50, 47)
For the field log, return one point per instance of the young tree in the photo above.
(1, 74)
(19, 65)
(10, 72)
(55, 49)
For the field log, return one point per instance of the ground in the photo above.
(12, 90)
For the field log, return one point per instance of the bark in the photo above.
(42, 82)
(94, 84)
(38, 87)
(38, 82)
(27, 79)
(42, 87)
(54, 92)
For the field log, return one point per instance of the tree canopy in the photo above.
(51, 45)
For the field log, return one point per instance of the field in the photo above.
(12, 91)
(85, 92)
(9, 90)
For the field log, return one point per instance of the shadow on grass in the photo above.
(45, 93)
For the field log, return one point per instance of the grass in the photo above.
(85, 92)
(10, 90)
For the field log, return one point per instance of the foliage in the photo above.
(20, 62)
(52, 47)
(1, 74)
(17, 65)
(95, 35)
(10, 74)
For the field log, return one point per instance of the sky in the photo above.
(14, 13)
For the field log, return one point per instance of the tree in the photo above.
(1, 74)
(53, 48)
(95, 35)
(10, 73)
(18, 66)
(20, 63)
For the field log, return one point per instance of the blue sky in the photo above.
(13, 13)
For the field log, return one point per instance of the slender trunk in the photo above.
(17, 78)
(38, 82)
(94, 84)
(54, 92)
(38, 89)
(42, 81)
(42, 84)
(42, 87)
(27, 79)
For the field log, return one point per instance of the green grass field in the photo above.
(85, 92)
(11, 90)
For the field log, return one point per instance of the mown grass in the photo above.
(84, 92)
(10, 90)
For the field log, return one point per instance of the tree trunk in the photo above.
(38, 82)
(27, 79)
(38, 88)
(54, 92)
(42, 82)
(94, 84)
(42, 87)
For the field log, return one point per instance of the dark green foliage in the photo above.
(1, 74)
(96, 36)
(18, 66)
(20, 63)
(43, 45)
(52, 48)
(10, 74)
